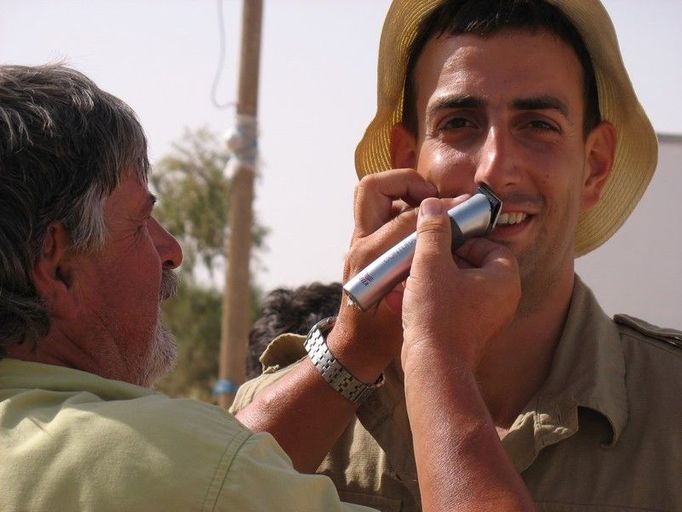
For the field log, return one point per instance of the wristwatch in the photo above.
(331, 370)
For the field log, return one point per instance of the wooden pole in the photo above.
(236, 314)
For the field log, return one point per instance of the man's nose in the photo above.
(167, 246)
(498, 164)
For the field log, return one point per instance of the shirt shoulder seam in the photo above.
(222, 470)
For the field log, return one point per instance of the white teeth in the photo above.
(511, 218)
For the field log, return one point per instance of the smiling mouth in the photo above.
(511, 218)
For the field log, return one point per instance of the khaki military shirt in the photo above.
(603, 434)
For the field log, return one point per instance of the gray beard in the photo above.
(162, 356)
(163, 353)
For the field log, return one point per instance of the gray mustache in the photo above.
(169, 284)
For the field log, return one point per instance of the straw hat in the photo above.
(637, 148)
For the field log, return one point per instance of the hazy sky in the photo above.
(317, 93)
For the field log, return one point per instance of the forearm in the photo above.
(461, 464)
(303, 412)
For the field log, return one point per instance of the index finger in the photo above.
(375, 194)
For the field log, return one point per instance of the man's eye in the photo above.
(457, 122)
(540, 124)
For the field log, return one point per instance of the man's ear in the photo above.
(601, 150)
(53, 272)
(403, 148)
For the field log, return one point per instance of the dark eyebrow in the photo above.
(541, 103)
(453, 102)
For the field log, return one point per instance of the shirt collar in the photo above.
(588, 370)
(589, 363)
(283, 351)
(17, 374)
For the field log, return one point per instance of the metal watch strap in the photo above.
(330, 369)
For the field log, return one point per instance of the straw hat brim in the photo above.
(636, 149)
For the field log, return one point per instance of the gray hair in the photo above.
(64, 147)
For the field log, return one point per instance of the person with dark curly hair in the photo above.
(289, 311)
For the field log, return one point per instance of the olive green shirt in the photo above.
(604, 433)
(73, 441)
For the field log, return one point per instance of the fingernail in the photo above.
(430, 207)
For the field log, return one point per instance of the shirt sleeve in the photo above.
(261, 477)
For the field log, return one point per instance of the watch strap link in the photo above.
(331, 370)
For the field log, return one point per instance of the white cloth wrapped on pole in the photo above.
(242, 143)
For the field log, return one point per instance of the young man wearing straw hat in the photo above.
(532, 99)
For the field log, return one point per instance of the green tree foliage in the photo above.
(193, 205)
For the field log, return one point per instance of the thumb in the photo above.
(434, 236)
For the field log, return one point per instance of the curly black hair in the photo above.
(286, 310)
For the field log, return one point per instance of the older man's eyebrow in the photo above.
(541, 103)
(148, 205)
